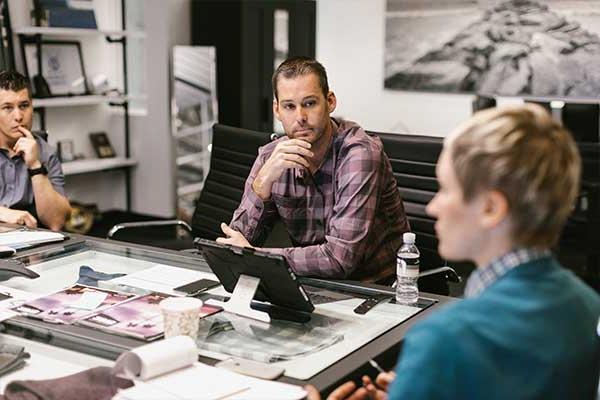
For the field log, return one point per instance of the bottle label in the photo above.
(405, 270)
(409, 258)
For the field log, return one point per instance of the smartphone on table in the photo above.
(197, 287)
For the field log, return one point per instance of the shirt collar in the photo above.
(482, 278)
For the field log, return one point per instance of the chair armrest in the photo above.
(450, 273)
(148, 224)
(191, 251)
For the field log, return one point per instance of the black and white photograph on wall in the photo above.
(494, 47)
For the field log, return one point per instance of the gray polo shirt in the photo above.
(15, 186)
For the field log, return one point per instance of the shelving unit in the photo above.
(124, 162)
(75, 32)
(194, 114)
(79, 101)
(95, 165)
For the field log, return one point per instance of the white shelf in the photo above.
(49, 31)
(194, 130)
(189, 158)
(96, 164)
(84, 100)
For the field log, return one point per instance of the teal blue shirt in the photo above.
(532, 334)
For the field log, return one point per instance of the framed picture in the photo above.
(102, 145)
(66, 151)
(62, 74)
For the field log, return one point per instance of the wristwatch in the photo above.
(36, 171)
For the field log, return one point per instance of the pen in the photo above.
(376, 366)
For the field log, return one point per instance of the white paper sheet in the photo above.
(19, 239)
(201, 381)
(168, 371)
(162, 278)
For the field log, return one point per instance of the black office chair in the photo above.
(578, 246)
(413, 159)
(233, 153)
(481, 102)
(583, 120)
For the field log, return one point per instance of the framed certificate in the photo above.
(62, 67)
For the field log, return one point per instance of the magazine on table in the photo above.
(139, 317)
(71, 304)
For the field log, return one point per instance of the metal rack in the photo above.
(35, 34)
(194, 112)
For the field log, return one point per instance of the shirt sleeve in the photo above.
(357, 185)
(254, 217)
(55, 172)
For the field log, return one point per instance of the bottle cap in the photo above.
(409, 237)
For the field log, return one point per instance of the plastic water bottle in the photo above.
(407, 270)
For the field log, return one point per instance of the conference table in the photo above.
(58, 264)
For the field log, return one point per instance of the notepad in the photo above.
(19, 239)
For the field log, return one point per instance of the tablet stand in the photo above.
(241, 298)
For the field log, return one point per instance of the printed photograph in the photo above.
(139, 317)
(59, 307)
(507, 48)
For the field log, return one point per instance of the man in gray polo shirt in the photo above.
(32, 182)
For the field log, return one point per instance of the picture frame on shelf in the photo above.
(102, 145)
(63, 71)
(66, 150)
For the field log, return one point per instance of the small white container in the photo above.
(181, 316)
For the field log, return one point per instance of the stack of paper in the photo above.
(201, 381)
(167, 370)
(18, 239)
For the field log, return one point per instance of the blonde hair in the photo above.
(531, 159)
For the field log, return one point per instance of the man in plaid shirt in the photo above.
(329, 182)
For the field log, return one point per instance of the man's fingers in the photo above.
(297, 142)
(26, 219)
(222, 240)
(30, 222)
(226, 229)
(293, 149)
(18, 147)
(360, 394)
(385, 378)
(342, 391)
(312, 393)
(297, 159)
(25, 132)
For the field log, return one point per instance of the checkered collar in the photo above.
(482, 278)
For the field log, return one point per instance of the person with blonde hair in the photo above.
(527, 328)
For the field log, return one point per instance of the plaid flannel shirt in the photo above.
(345, 221)
(482, 278)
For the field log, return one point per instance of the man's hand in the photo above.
(379, 389)
(347, 391)
(293, 153)
(27, 147)
(234, 237)
(17, 217)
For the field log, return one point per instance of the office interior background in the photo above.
(241, 43)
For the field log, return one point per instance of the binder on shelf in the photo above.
(57, 13)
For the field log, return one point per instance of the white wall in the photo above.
(350, 44)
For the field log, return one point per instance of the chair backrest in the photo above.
(583, 120)
(413, 160)
(234, 151)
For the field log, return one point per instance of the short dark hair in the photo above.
(14, 81)
(297, 66)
